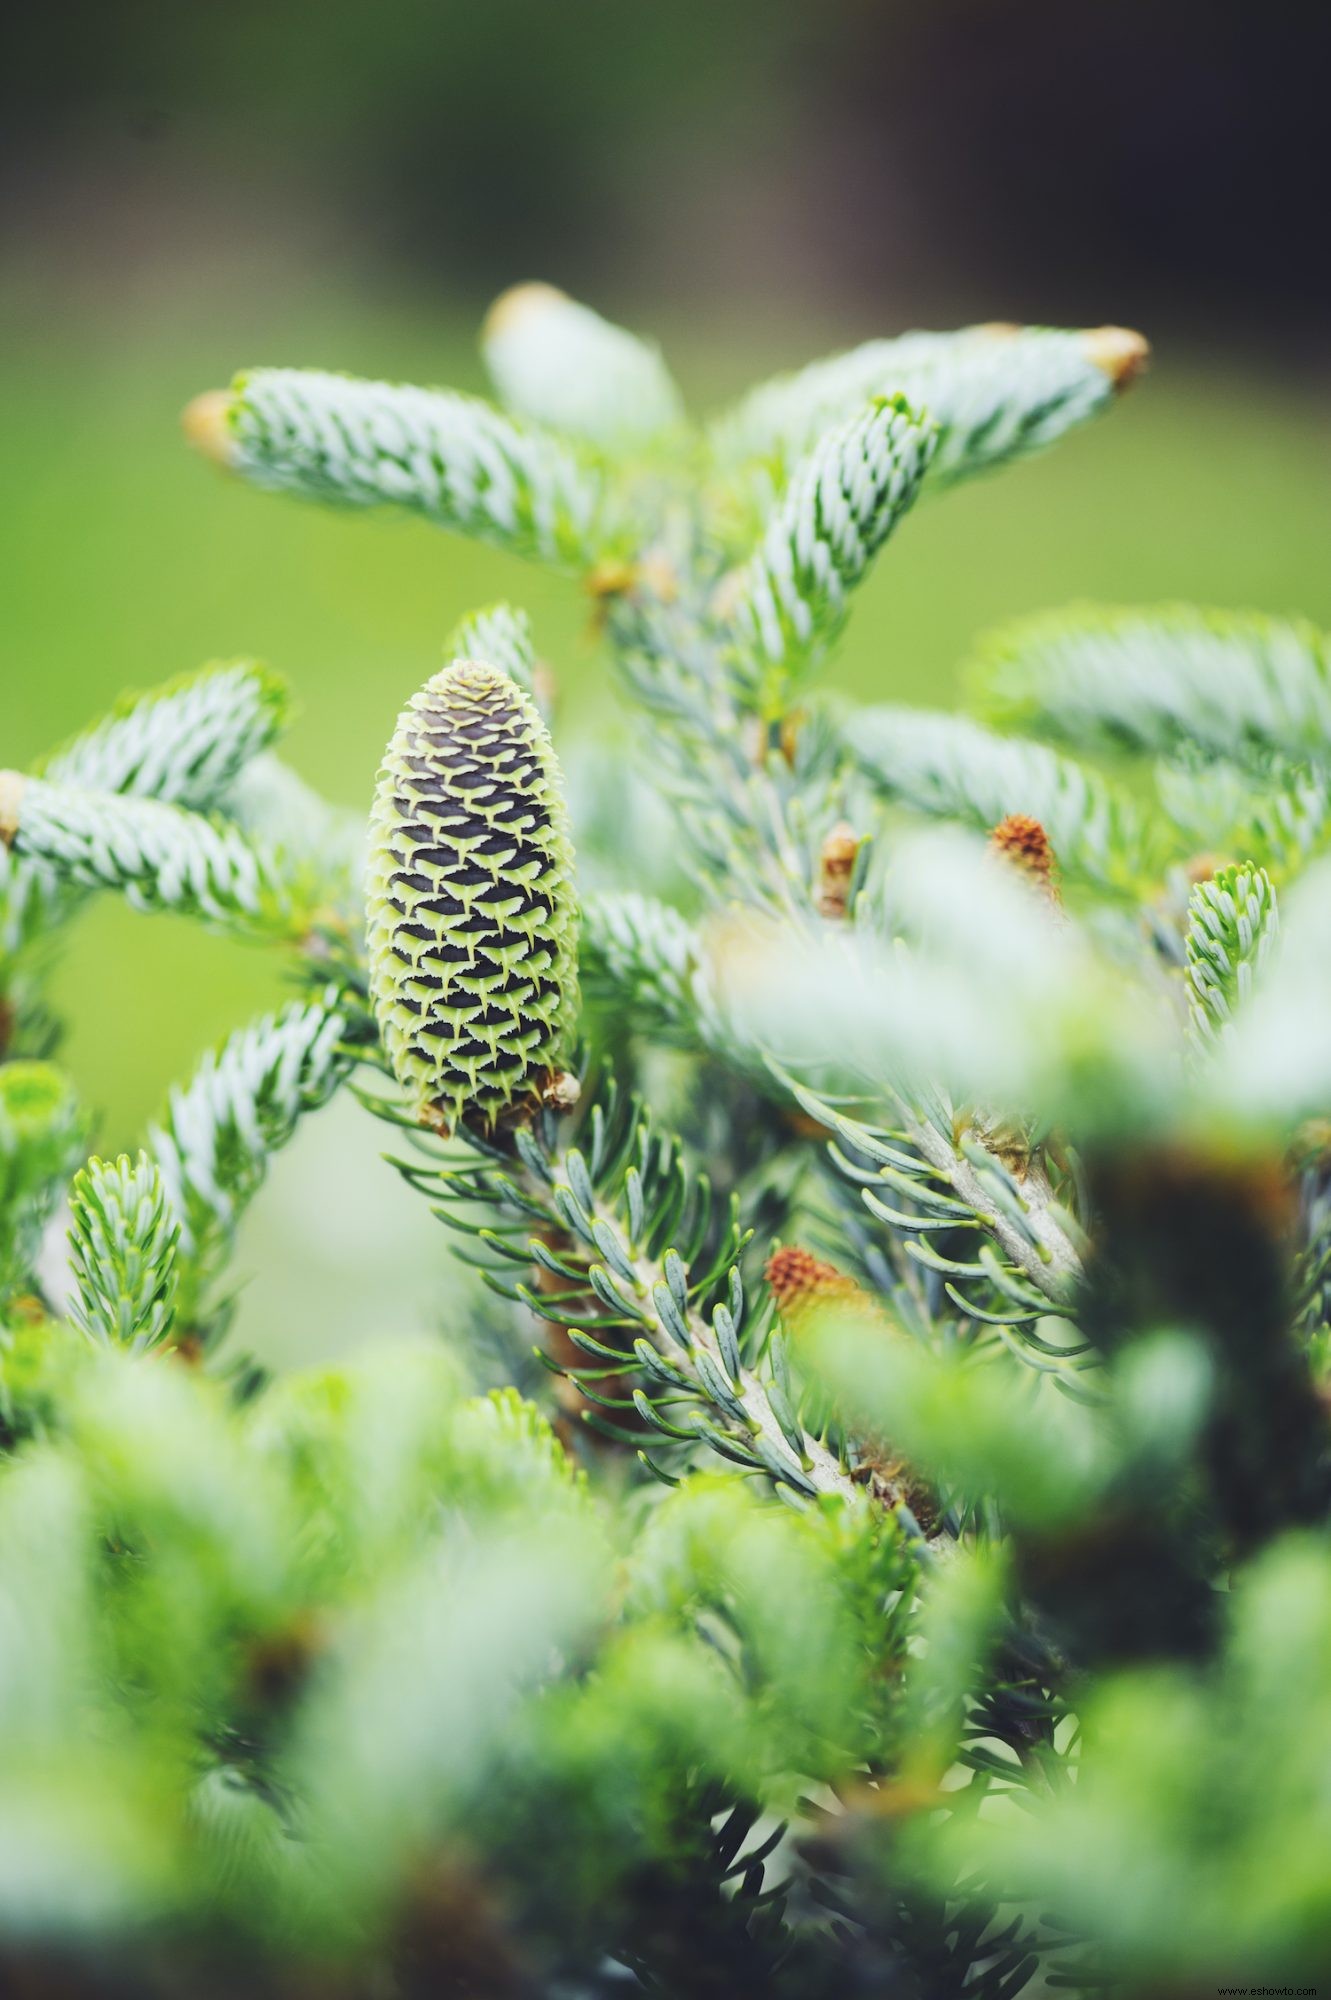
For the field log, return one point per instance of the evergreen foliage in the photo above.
(122, 1250)
(910, 1573)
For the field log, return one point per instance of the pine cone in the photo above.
(472, 919)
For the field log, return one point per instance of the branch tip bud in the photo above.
(518, 303)
(1122, 353)
(1022, 843)
(836, 865)
(206, 423)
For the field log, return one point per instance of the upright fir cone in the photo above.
(1023, 843)
(801, 1286)
(472, 922)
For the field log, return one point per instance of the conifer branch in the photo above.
(302, 1677)
(29, 902)
(501, 637)
(955, 1181)
(242, 1105)
(660, 1294)
(159, 857)
(647, 1283)
(1231, 686)
(1285, 822)
(952, 768)
(1232, 927)
(1277, 816)
(122, 1239)
(993, 393)
(560, 363)
(644, 958)
(281, 815)
(752, 825)
(185, 743)
(41, 1132)
(450, 457)
(842, 502)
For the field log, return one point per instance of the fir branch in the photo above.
(752, 816)
(242, 1105)
(450, 457)
(952, 768)
(41, 1132)
(661, 1293)
(296, 1682)
(561, 363)
(1241, 687)
(953, 1179)
(29, 903)
(1204, 799)
(752, 820)
(185, 742)
(647, 1282)
(643, 959)
(993, 393)
(278, 812)
(1277, 816)
(159, 857)
(500, 636)
(1232, 927)
(1284, 821)
(471, 860)
(122, 1241)
(843, 501)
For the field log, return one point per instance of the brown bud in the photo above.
(1023, 843)
(207, 426)
(788, 735)
(800, 1282)
(278, 1663)
(1121, 353)
(561, 1090)
(892, 1480)
(612, 578)
(801, 1285)
(836, 865)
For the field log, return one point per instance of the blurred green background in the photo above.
(190, 190)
